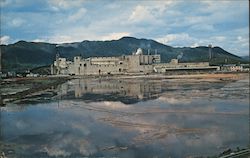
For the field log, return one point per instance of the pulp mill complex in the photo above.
(126, 64)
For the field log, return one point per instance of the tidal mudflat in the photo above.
(131, 117)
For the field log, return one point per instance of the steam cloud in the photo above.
(180, 56)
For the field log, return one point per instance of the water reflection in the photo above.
(126, 91)
(131, 91)
(107, 118)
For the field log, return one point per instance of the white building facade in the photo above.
(135, 63)
(126, 64)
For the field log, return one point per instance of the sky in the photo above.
(175, 23)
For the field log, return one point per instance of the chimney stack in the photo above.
(210, 51)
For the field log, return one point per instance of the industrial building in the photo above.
(126, 64)
(175, 65)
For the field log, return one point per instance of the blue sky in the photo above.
(175, 23)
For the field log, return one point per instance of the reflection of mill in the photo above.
(85, 86)
(61, 92)
(139, 89)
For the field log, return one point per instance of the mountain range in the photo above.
(24, 55)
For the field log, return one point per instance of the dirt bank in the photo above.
(19, 88)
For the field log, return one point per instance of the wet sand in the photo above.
(20, 88)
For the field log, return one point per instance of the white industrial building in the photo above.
(135, 63)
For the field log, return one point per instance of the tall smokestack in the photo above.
(210, 51)
(148, 55)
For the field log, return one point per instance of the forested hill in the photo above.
(27, 55)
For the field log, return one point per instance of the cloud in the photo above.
(38, 40)
(140, 13)
(4, 40)
(17, 22)
(194, 45)
(62, 39)
(203, 27)
(171, 100)
(112, 105)
(115, 36)
(150, 12)
(78, 15)
(113, 6)
(175, 38)
(64, 4)
(5, 3)
(212, 6)
(75, 36)
(56, 151)
(243, 41)
(174, 23)
(220, 38)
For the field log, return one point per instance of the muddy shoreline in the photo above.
(36, 85)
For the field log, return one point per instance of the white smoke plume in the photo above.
(180, 56)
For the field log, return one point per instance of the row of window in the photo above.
(85, 65)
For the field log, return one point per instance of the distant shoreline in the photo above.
(163, 76)
(134, 75)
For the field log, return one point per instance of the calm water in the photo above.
(130, 118)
